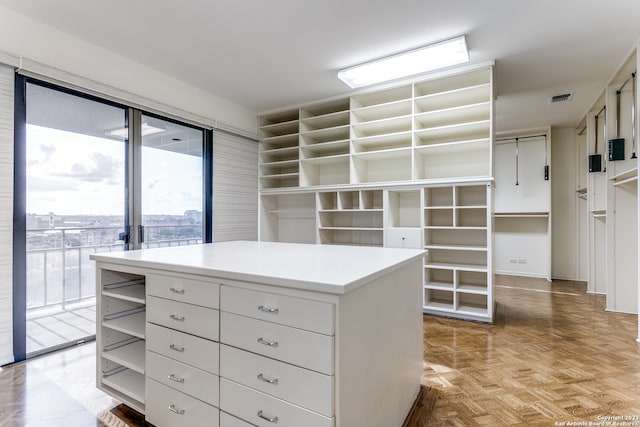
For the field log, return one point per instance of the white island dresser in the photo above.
(239, 334)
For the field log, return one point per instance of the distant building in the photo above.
(194, 215)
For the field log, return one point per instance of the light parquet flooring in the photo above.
(553, 356)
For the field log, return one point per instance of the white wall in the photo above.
(22, 36)
(563, 203)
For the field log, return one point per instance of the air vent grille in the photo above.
(561, 98)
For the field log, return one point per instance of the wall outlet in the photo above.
(513, 261)
(522, 261)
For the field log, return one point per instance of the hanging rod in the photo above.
(581, 132)
(626, 81)
(604, 108)
(544, 135)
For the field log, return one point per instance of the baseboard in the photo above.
(521, 274)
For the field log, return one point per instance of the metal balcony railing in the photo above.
(59, 271)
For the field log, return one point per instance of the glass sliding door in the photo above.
(94, 176)
(76, 154)
(171, 183)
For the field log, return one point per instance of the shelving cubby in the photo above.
(279, 152)
(324, 143)
(121, 338)
(381, 166)
(288, 217)
(453, 131)
(402, 218)
(353, 217)
(381, 125)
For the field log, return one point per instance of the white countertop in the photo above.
(322, 268)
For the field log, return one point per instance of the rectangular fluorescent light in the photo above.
(147, 129)
(438, 55)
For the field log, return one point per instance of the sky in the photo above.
(74, 174)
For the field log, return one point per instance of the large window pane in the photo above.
(75, 198)
(172, 195)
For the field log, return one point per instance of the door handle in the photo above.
(124, 236)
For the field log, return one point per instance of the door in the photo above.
(76, 154)
(171, 191)
(94, 176)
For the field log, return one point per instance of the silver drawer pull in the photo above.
(273, 381)
(269, 343)
(264, 417)
(177, 317)
(172, 377)
(268, 310)
(173, 408)
(177, 291)
(177, 348)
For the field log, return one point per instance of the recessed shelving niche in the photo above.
(352, 217)
(121, 336)
(279, 153)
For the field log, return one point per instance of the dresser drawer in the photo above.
(300, 313)
(187, 379)
(256, 407)
(303, 387)
(185, 348)
(227, 420)
(189, 318)
(167, 407)
(303, 348)
(191, 291)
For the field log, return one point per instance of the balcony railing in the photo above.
(59, 271)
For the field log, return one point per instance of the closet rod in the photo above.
(604, 107)
(544, 135)
(627, 81)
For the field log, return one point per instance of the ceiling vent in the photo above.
(561, 98)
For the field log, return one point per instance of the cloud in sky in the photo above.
(96, 168)
(77, 174)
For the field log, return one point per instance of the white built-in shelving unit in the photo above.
(612, 194)
(121, 337)
(457, 224)
(409, 165)
(430, 130)
(621, 189)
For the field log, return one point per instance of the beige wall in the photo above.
(563, 203)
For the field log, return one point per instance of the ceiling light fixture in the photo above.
(146, 129)
(427, 58)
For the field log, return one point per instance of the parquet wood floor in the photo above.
(553, 356)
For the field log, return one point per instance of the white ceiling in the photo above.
(266, 55)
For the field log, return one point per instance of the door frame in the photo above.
(132, 212)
